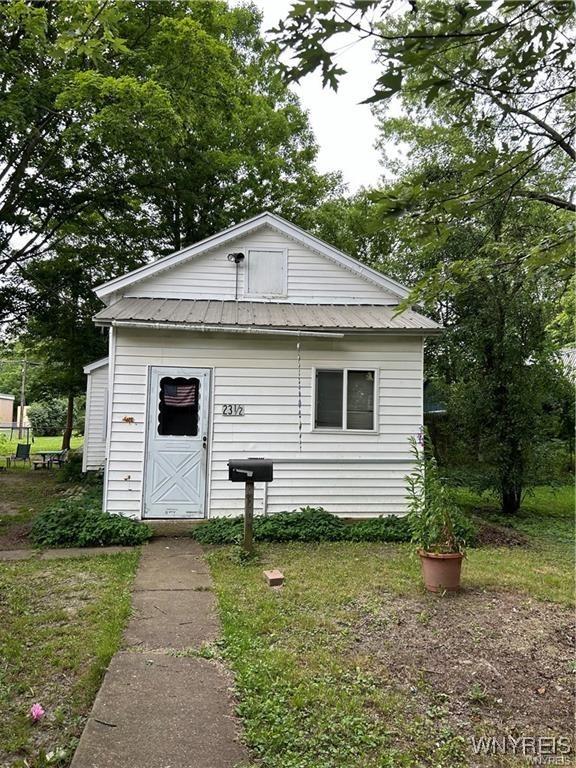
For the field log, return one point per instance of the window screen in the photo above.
(266, 273)
(360, 400)
(178, 406)
(344, 399)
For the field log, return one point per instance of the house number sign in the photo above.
(232, 409)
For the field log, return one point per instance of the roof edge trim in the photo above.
(95, 365)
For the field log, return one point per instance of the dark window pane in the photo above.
(329, 398)
(360, 400)
(178, 408)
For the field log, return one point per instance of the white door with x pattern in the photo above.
(177, 443)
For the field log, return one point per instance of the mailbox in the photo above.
(250, 470)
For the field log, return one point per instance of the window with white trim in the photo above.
(344, 399)
(266, 273)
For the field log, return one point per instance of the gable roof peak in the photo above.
(243, 228)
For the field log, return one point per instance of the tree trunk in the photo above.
(512, 474)
(511, 498)
(66, 437)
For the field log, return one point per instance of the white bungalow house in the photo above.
(260, 341)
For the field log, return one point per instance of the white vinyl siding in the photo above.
(311, 277)
(94, 451)
(352, 473)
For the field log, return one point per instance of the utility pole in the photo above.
(22, 398)
(24, 363)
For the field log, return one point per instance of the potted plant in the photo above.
(432, 516)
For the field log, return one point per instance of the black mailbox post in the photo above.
(249, 471)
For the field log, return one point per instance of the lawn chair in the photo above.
(61, 459)
(22, 454)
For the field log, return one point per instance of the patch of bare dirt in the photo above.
(493, 535)
(23, 492)
(16, 537)
(8, 508)
(480, 662)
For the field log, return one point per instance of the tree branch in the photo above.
(544, 197)
(552, 132)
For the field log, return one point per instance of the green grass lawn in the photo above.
(60, 623)
(312, 696)
(547, 513)
(24, 492)
(43, 444)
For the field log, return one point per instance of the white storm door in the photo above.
(177, 443)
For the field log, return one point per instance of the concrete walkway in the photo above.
(160, 706)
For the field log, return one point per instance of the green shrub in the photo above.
(380, 529)
(464, 528)
(220, 530)
(48, 417)
(71, 471)
(315, 524)
(78, 521)
(306, 524)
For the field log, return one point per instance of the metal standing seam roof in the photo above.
(262, 315)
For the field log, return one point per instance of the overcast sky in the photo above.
(344, 128)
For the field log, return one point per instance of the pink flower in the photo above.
(36, 712)
(420, 436)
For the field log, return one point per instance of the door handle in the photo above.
(204, 441)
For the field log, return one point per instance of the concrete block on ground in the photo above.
(275, 578)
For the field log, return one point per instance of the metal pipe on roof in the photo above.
(221, 329)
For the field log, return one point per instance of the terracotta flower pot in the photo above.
(441, 572)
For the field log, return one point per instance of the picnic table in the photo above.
(49, 458)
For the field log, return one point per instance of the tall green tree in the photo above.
(60, 330)
(504, 64)
(496, 359)
(128, 130)
(480, 219)
(157, 122)
(496, 362)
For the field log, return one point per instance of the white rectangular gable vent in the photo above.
(266, 272)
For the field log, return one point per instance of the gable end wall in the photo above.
(312, 277)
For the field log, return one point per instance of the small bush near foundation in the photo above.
(312, 524)
(380, 529)
(306, 524)
(220, 530)
(71, 471)
(78, 521)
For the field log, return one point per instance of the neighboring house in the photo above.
(6, 410)
(259, 341)
(96, 422)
